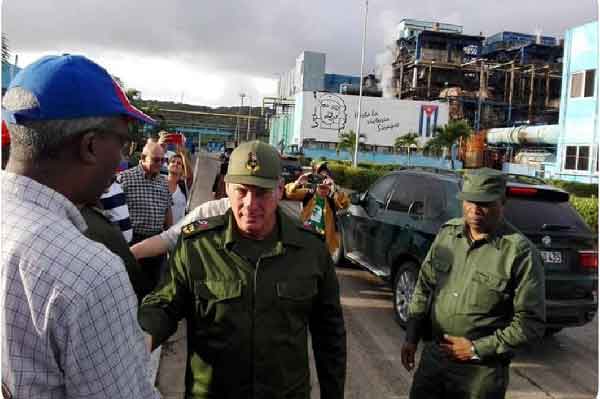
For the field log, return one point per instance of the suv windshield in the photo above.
(530, 215)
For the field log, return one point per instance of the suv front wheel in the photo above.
(404, 286)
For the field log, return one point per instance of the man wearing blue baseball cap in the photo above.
(70, 327)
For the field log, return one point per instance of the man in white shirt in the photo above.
(69, 313)
(162, 243)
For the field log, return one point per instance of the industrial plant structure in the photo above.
(531, 99)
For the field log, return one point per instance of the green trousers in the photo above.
(438, 377)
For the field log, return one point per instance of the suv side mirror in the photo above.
(415, 210)
(356, 198)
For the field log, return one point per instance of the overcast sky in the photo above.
(207, 52)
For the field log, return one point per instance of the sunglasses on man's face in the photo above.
(155, 159)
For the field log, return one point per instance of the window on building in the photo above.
(583, 159)
(590, 76)
(571, 158)
(582, 83)
(576, 84)
(577, 157)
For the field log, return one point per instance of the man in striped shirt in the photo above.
(115, 206)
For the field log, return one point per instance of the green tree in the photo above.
(408, 141)
(135, 129)
(348, 141)
(433, 147)
(449, 135)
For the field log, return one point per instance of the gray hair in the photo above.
(38, 140)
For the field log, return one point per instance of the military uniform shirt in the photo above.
(253, 249)
(490, 291)
(248, 323)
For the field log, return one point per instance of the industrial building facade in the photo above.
(577, 148)
(506, 79)
(317, 119)
(533, 99)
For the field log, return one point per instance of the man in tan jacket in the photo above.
(320, 202)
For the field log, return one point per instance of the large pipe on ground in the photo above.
(543, 134)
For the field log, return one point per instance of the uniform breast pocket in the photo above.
(442, 270)
(303, 290)
(487, 291)
(215, 298)
(295, 299)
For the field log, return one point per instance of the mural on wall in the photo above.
(322, 117)
(329, 112)
(379, 121)
(428, 120)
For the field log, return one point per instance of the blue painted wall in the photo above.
(579, 122)
(383, 158)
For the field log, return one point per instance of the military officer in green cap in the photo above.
(251, 283)
(480, 293)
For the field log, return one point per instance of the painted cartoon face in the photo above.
(330, 112)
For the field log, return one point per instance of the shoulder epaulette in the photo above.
(202, 225)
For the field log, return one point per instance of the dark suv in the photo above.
(389, 229)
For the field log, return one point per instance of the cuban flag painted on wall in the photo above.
(428, 120)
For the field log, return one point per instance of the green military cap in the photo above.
(254, 163)
(483, 185)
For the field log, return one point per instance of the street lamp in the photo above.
(237, 123)
(360, 89)
(248, 128)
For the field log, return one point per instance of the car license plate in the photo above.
(551, 256)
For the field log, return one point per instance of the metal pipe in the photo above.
(429, 83)
(510, 93)
(362, 64)
(531, 88)
(547, 77)
(401, 79)
(481, 82)
(542, 134)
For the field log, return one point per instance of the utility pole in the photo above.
(360, 89)
(237, 123)
(248, 128)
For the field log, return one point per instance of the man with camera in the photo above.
(320, 203)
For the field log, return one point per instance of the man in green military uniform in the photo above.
(250, 284)
(481, 293)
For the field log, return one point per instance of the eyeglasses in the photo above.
(155, 159)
